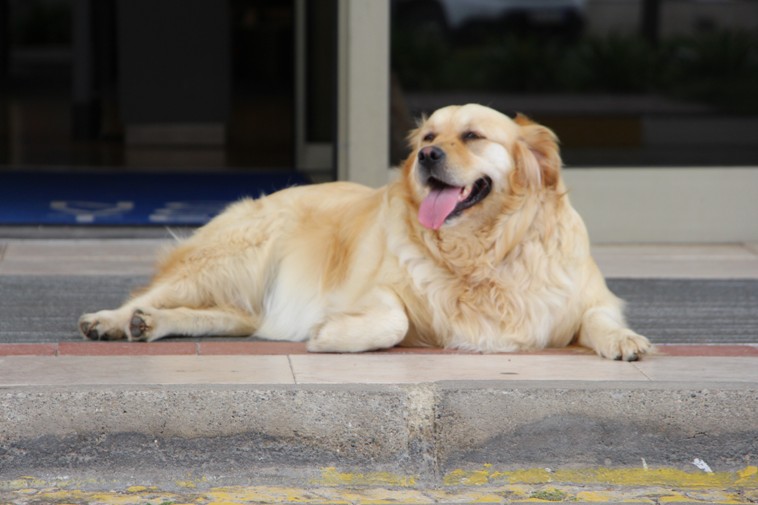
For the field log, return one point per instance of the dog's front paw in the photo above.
(625, 344)
(325, 339)
(103, 325)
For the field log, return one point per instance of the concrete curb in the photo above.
(422, 435)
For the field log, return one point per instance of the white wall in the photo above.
(665, 205)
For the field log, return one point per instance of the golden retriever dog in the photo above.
(475, 246)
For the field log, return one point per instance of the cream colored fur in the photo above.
(351, 269)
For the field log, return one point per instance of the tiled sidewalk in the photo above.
(263, 348)
(222, 363)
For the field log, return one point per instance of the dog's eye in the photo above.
(469, 135)
(429, 137)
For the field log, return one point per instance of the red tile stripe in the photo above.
(283, 348)
(126, 348)
(708, 350)
(240, 348)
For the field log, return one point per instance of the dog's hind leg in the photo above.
(378, 322)
(152, 324)
(114, 324)
(167, 309)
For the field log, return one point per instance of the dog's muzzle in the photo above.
(431, 162)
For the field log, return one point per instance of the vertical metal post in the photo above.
(362, 148)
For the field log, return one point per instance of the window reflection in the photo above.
(623, 82)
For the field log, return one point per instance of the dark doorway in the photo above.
(75, 76)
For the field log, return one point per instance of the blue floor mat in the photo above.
(134, 199)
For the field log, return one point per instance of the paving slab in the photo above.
(107, 257)
(678, 261)
(136, 256)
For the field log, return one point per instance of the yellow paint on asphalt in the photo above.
(592, 496)
(330, 476)
(485, 485)
(747, 477)
(748, 472)
(259, 494)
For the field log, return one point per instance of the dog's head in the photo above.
(470, 161)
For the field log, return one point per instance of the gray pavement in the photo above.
(45, 308)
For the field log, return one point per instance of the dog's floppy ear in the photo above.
(412, 140)
(536, 153)
(412, 137)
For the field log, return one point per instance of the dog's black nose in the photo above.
(430, 156)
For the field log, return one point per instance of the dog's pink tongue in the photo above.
(437, 206)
